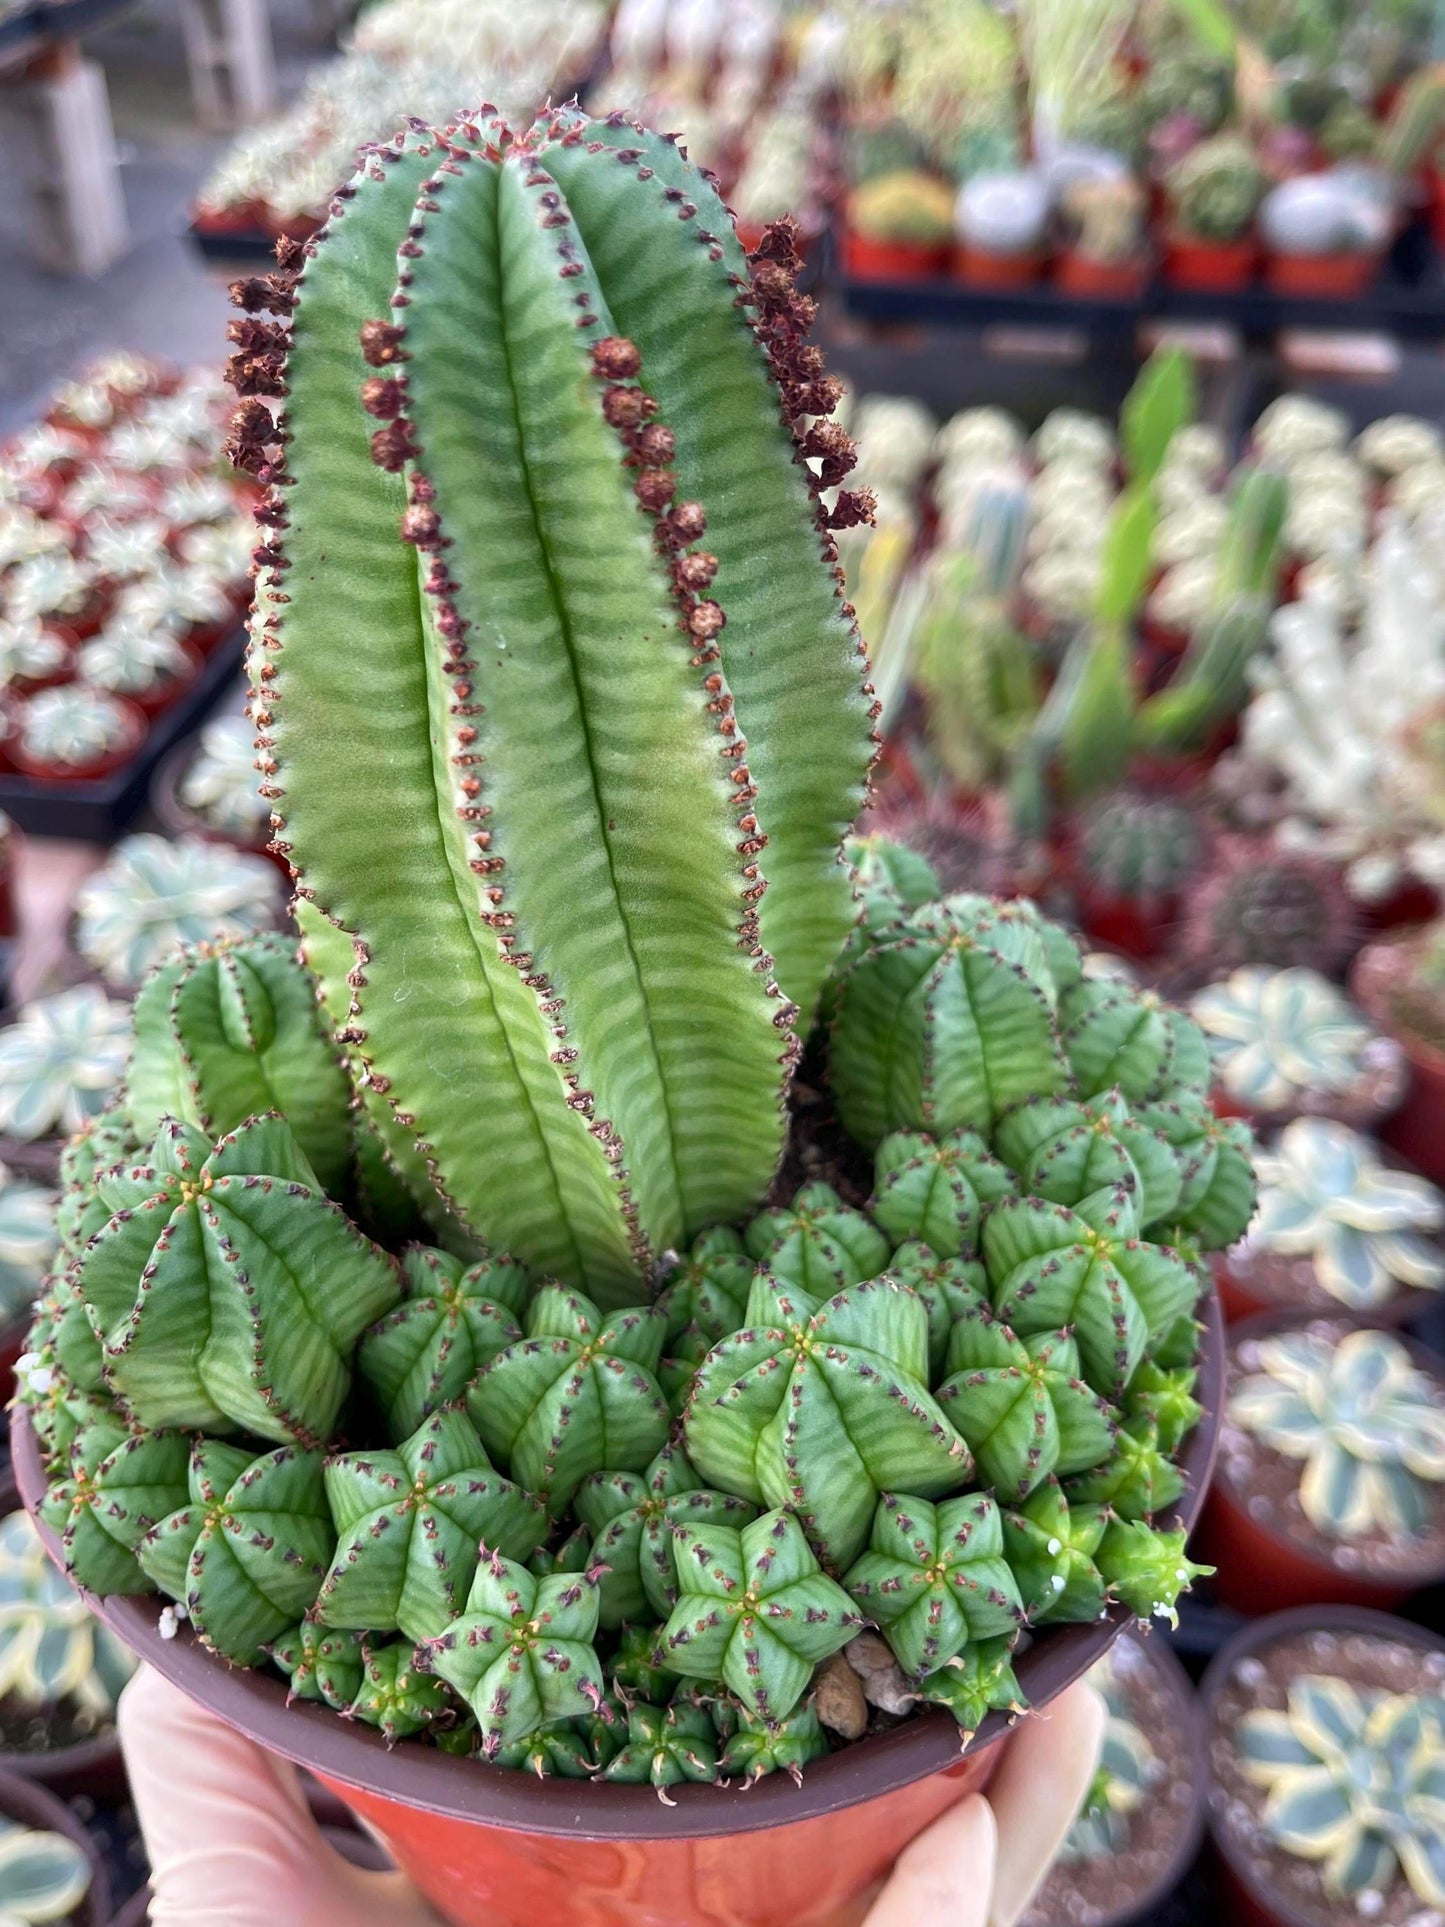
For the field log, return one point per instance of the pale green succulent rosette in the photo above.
(220, 785)
(1367, 1426)
(130, 660)
(1129, 1772)
(28, 1239)
(152, 895)
(70, 727)
(54, 1652)
(1278, 1035)
(43, 1876)
(61, 1062)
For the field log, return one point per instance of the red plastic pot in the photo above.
(1209, 267)
(867, 260)
(1091, 280)
(1263, 1571)
(493, 1848)
(1241, 1299)
(88, 772)
(1247, 1902)
(1416, 1131)
(982, 269)
(33, 1807)
(1134, 929)
(1322, 277)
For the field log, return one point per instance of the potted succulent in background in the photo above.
(27, 1243)
(603, 939)
(209, 787)
(1324, 1733)
(60, 1062)
(1000, 225)
(1143, 1822)
(1104, 255)
(1134, 857)
(151, 895)
(1336, 1228)
(50, 1868)
(1324, 234)
(900, 226)
(74, 734)
(1400, 982)
(1331, 1481)
(1213, 196)
(1288, 1043)
(1257, 905)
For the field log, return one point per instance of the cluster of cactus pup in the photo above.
(431, 1319)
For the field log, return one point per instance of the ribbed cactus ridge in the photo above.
(976, 1682)
(224, 1032)
(632, 1519)
(507, 725)
(247, 1549)
(817, 1243)
(425, 1353)
(758, 1747)
(1063, 1151)
(320, 1664)
(1052, 1549)
(117, 1484)
(665, 1746)
(229, 1292)
(934, 1190)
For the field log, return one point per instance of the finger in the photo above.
(1037, 1793)
(942, 1879)
(230, 1840)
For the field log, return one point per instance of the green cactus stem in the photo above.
(1020, 1405)
(949, 1288)
(1146, 1568)
(576, 1395)
(320, 1664)
(552, 1752)
(755, 1611)
(632, 1520)
(118, 1485)
(666, 1746)
(1052, 1547)
(409, 1525)
(1063, 1151)
(760, 1747)
(638, 1668)
(396, 1697)
(935, 1579)
(247, 1550)
(521, 1654)
(586, 753)
(1165, 1396)
(228, 1031)
(229, 1292)
(453, 1318)
(935, 1190)
(1139, 1479)
(818, 1244)
(976, 1682)
(822, 1408)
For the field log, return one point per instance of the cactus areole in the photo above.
(435, 1326)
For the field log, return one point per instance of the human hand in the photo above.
(232, 1844)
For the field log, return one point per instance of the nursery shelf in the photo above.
(31, 31)
(101, 811)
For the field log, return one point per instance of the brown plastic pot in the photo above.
(493, 1848)
(1416, 1131)
(1261, 1570)
(1209, 267)
(33, 1807)
(1247, 1902)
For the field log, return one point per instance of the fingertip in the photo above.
(943, 1877)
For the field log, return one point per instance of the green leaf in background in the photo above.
(1249, 553)
(1098, 728)
(1128, 556)
(1162, 401)
(1210, 24)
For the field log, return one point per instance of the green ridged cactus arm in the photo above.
(720, 353)
(345, 680)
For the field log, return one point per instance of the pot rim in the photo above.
(313, 1736)
(1366, 987)
(34, 1806)
(1268, 1632)
(1262, 1324)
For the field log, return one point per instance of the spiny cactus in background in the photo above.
(620, 747)
(227, 1031)
(1215, 190)
(1353, 1779)
(1267, 907)
(227, 1290)
(1367, 1425)
(1141, 848)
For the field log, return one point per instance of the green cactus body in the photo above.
(1218, 1190)
(228, 1291)
(583, 766)
(666, 1746)
(1165, 1395)
(229, 1031)
(425, 1353)
(949, 1287)
(1146, 1568)
(632, 1520)
(521, 1655)
(247, 1549)
(120, 1484)
(395, 1696)
(572, 1554)
(755, 1611)
(1139, 1479)
(576, 1395)
(552, 1752)
(1086, 1270)
(639, 1669)
(411, 1525)
(935, 1190)
(708, 1292)
(946, 1022)
(760, 1747)
(978, 1681)
(1020, 1405)
(1141, 848)
(1052, 1548)
(821, 1408)
(320, 1664)
(935, 1579)
(1063, 1151)
(1118, 1037)
(818, 1244)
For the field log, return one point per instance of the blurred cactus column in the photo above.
(232, 61)
(78, 217)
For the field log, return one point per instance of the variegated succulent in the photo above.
(1355, 1779)
(74, 727)
(130, 660)
(1368, 1231)
(27, 1244)
(220, 784)
(1129, 1770)
(29, 650)
(54, 1653)
(1279, 1038)
(151, 896)
(1367, 1424)
(61, 1061)
(43, 1876)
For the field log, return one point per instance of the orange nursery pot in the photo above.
(1322, 277)
(1209, 267)
(489, 1847)
(867, 260)
(1416, 1130)
(982, 269)
(1091, 280)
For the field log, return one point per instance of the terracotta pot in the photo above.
(867, 260)
(1322, 277)
(1416, 1131)
(981, 269)
(1248, 1904)
(1261, 1570)
(1091, 280)
(33, 1807)
(246, 217)
(493, 1848)
(1210, 267)
(12, 1344)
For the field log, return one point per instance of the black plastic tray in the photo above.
(244, 248)
(102, 811)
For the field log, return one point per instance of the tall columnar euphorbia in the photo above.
(563, 713)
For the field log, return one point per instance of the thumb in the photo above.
(227, 1830)
(945, 1876)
